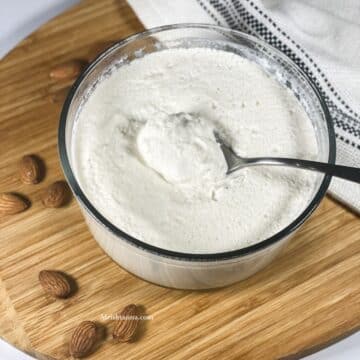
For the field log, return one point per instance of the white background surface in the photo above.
(18, 18)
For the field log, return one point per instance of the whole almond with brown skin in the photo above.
(59, 96)
(55, 283)
(12, 204)
(125, 327)
(67, 70)
(56, 194)
(83, 339)
(29, 169)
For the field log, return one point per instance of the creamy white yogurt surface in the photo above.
(146, 157)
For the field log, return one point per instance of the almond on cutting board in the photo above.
(55, 283)
(59, 96)
(11, 203)
(56, 195)
(68, 70)
(29, 169)
(83, 339)
(125, 327)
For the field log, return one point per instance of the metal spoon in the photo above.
(235, 162)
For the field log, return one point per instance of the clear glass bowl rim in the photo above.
(122, 236)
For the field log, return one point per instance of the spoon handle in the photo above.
(344, 172)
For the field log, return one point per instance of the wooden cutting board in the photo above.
(306, 299)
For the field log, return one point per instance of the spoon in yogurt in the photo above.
(235, 162)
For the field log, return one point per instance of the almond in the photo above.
(29, 169)
(12, 204)
(83, 339)
(67, 70)
(59, 96)
(56, 195)
(125, 327)
(55, 283)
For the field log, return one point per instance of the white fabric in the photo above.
(164, 12)
(329, 33)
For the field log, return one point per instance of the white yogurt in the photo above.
(181, 148)
(161, 177)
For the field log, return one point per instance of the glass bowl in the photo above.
(187, 270)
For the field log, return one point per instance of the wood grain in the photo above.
(308, 297)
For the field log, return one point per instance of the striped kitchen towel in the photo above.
(321, 36)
